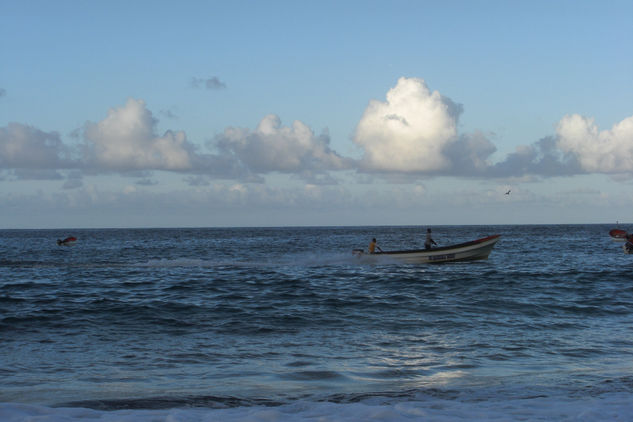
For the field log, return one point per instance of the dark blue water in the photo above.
(162, 318)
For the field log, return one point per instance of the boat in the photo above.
(468, 251)
(69, 241)
(618, 235)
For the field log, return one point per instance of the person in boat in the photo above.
(429, 240)
(373, 246)
(629, 243)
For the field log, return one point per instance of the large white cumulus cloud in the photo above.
(126, 140)
(607, 151)
(409, 131)
(273, 147)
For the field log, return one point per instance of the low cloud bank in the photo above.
(412, 132)
(272, 147)
(26, 147)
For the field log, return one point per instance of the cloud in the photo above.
(146, 182)
(607, 151)
(26, 147)
(469, 155)
(126, 140)
(169, 114)
(197, 181)
(73, 183)
(36, 174)
(542, 158)
(272, 147)
(409, 131)
(577, 148)
(213, 83)
(138, 174)
(414, 132)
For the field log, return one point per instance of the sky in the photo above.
(312, 113)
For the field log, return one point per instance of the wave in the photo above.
(377, 408)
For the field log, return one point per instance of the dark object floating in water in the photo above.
(67, 242)
(618, 234)
(623, 236)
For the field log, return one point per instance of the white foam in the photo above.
(608, 407)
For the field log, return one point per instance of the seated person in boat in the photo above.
(373, 246)
(429, 240)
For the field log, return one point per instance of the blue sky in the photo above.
(154, 114)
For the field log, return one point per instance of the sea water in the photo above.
(278, 324)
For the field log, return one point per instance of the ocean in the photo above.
(286, 324)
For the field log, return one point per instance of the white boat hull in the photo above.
(469, 251)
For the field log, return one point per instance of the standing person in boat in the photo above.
(629, 243)
(429, 240)
(373, 246)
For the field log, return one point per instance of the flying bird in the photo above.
(508, 192)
